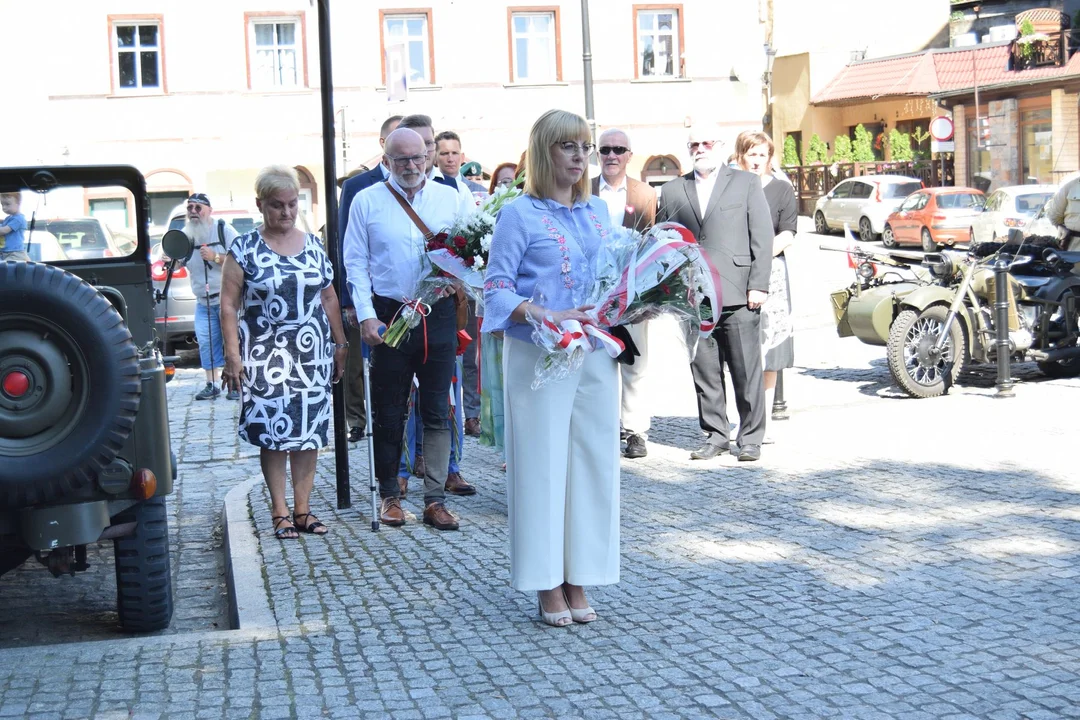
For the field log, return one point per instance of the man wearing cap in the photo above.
(212, 241)
(474, 176)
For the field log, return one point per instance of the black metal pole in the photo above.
(1001, 321)
(586, 59)
(779, 407)
(333, 242)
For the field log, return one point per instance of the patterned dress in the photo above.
(286, 345)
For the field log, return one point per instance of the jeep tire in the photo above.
(144, 596)
(76, 384)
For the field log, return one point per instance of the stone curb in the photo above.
(249, 601)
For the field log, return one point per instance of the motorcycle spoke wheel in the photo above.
(917, 368)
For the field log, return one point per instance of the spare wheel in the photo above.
(69, 383)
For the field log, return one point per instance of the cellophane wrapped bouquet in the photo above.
(454, 260)
(636, 276)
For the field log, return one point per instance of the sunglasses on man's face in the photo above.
(613, 150)
(707, 144)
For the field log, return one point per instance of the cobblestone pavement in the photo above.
(888, 557)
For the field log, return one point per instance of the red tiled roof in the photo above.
(934, 72)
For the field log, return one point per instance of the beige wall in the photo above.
(217, 131)
(1063, 112)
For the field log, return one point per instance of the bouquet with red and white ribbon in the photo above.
(448, 269)
(636, 276)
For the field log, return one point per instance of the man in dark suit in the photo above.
(728, 214)
(631, 204)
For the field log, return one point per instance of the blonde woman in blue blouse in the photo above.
(562, 441)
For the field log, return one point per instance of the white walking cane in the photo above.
(365, 350)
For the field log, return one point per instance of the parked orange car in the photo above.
(933, 217)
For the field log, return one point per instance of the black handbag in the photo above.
(626, 357)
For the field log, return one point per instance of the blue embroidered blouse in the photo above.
(541, 251)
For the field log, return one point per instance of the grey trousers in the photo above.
(355, 413)
(470, 382)
(737, 343)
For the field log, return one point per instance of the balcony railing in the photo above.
(1052, 51)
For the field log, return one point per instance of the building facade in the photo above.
(201, 95)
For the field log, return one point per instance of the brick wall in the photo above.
(1066, 143)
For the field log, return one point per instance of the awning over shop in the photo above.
(935, 73)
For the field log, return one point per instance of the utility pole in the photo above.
(586, 59)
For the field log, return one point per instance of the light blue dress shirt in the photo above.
(541, 248)
(384, 252)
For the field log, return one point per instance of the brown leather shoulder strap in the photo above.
(428, 235)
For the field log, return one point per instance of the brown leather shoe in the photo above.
(437, 516)
(420, 467)
(391, 513)
(472, 426)
(403, 485)
(456, 485)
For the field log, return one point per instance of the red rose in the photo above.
(460, 242)
(441, 237)
(469, 261)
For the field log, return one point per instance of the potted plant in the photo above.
(1029, 41)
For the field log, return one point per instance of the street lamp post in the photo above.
(766, 86)
(586, 59)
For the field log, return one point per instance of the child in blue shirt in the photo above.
(12, 229)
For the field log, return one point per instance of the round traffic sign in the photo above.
(941, 128)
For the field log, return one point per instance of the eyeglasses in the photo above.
(403, 162)
(505, 182)
(613, 150)
(707, 144)
(571, 148)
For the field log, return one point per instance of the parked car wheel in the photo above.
(866, 230)
(928, 244)
(820, 226)
(887, 237)
(917, 369)
(144, 595)
(1062, 368)
(71, 383)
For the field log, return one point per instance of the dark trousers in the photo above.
(470, 383)
(736, 342)
(392, 371)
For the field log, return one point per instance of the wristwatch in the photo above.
(341, 346)
(217, 258)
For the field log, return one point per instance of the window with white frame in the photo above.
(412, 32)
(275, 53)
(137, 56)
(533, 47)
(658, 43)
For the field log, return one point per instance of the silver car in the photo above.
(862, 202)
(176, 314)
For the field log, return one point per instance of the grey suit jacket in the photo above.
(735, 228)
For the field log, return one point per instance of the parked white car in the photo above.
(1007, 208)
(864, 203)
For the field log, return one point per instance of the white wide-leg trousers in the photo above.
(562, 471)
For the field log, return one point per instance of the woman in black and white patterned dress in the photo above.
(287, 347)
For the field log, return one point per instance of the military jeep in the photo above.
(84, 426)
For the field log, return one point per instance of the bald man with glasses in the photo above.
(384, 248)
(632, 204)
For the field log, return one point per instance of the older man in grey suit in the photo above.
(728, 214)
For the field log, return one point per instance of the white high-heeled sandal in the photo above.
(582, 616)
(554, 619)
